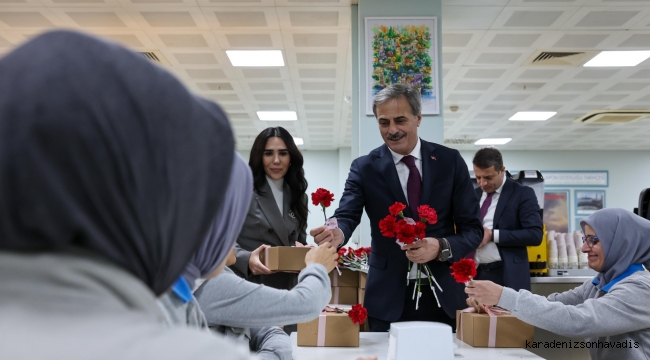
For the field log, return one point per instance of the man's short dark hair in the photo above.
(396, 91)
(488, 157)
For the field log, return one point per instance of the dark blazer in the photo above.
(265, 225)
(373, 184)
(519, 223)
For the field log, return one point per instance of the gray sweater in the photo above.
(241, 309)
(607, 320)
(75, 306)
(232, 301)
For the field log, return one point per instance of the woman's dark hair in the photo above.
(295, 176)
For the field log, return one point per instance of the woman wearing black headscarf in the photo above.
(111, 174)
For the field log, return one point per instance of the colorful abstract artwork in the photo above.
(403, 51)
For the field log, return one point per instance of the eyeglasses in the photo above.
(590, 240)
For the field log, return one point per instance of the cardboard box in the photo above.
(362, 279)
(361, 295)
(284, 258)
(473, 329)
(338, 331)
(344, 295)
(347, 278)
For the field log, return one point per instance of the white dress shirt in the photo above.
(490, 252)
(277, 188)
(403, 175)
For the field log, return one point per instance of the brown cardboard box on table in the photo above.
(339, 331)
(348, 278)
(284, 258)
(510, 333)
(344, 295)
(361, 295)
(362, 280)
(344, 287)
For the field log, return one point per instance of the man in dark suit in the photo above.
(511, 221)
(414, 172)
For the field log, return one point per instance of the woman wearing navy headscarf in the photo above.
(611, 311)
(111, 175)
(179, 304)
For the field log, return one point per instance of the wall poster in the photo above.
(403, 50)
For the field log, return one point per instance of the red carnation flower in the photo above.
(322, 197)
(358, 314)
(428, 214)
(341, 253)
(420, 228)
(405, 232)
(387, 226)
(396, 208)
(463, 270)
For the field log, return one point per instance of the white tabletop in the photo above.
(377, 344)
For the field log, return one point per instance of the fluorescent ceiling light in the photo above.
(277, 115)
(532, 116)
(255, 57)
(298, 141)
(618, 58)
(492, 141)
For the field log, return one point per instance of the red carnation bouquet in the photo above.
(323, 198)
(354, 259)
(408, 231)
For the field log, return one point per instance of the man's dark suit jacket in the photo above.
(373, 184)
(519, 223)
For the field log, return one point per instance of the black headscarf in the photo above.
(104, 151)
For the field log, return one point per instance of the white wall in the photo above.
(629, 171)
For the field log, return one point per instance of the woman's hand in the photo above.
(471, 302)
(323, 234)
(485, 292)
(324, 254)
(254, 263)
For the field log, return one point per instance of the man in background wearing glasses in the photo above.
(511, 222)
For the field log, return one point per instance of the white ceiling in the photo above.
(485, 45)
(486, 42)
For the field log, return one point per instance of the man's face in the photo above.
(489, 179)
(398, 126)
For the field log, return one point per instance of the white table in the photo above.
(377, 344)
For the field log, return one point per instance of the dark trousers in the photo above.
(427, 311)
(494, 274)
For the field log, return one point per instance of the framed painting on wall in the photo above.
(589, 201)
(556, 210)
(403, 50)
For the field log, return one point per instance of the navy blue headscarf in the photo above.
(226, 227)
(103, 151)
